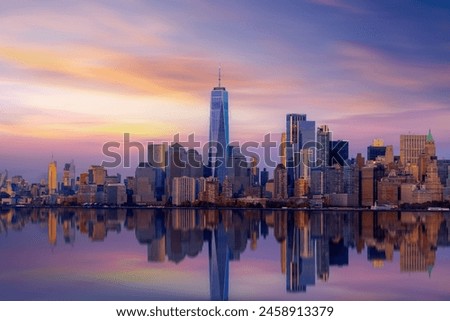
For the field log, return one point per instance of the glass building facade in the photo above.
(300, 148)
(218, 132)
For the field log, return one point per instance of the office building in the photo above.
(157, 159)
(115, 194)
(389, 155)
(369, 178)
(183, 190)
(280, 182)
(52, 178)
(339, 152)
(323, 146)
(300, 148)
(69, 176)
(145, 186)
(374, 152)
(97, 175)
(218, 131)
(411, 146)
(239, 171)
(283, 149)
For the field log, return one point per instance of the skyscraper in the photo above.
(323, 146)
(52, 178)
(69, 175)
(339, 152)
(280, 182)
(283, 149)
(410, 148)
(218, 131)
(300, 148)
(375, 150)
(183, 190)
(157, 158)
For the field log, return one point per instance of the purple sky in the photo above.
(75, 75)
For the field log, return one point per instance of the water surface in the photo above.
(184, 254)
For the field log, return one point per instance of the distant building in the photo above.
(113, 179)
(280, 182)
(115, 194)
(389, 188)
(323, 141)
(97, 175)
(334, 179)
(432, 182)
(52, 177)
(157, 159)
(254, 179)
(210, 193)
(369, 177)
(446, 191)
(339, 151)
(69, 176)
(389, 155)
(300, 148)
(87, 193)
(227, 188)
(239, 172)
(84, 179)
(373, 152)
(317, 185)
(301, 187)
(145, 188)
(427, 156)
(264, 177)
(411, 146)
(443, 170)
(183, 190)
(283, 149)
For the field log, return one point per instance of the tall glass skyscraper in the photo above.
(300, 148)
(218, 131)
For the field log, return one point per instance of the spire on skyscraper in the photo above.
(429, 137)
(220, 69)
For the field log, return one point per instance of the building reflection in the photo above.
(52, 226)
(219, 263)
(311, 244)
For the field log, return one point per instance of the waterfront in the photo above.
(189, 254)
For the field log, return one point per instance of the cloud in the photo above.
(87, 23)
(372, 66)
(339, 4)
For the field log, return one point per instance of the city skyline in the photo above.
(70, 82)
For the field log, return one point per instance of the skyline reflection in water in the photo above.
(188, 254)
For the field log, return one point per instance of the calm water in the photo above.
(106, 254)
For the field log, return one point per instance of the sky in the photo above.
(75, 75)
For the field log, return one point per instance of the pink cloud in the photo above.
(338, 4)
(372, 66)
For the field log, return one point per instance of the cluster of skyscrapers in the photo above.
(313, 169)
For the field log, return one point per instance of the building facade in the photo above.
(411, 146)
(218, 131)
(300, 148)
(183, 190)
